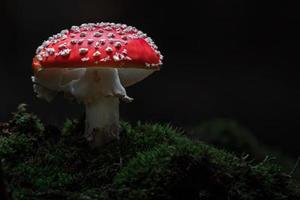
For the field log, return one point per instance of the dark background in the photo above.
(235, 59)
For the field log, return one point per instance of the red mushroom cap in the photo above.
(98, 45)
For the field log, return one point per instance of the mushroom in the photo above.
(93, 63)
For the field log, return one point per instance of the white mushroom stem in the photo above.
(100, 90)
(102, 120)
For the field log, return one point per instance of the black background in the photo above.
(235, 59)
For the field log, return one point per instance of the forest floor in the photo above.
(158, 162)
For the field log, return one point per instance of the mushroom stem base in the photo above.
(102, 120)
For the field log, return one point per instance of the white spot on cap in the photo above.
(97, 34)
(116, 58)
(102, 41)
(80, 41)
(107, 58)
(142, 35)
(121, 33)
(84, 28)
(39, 49)
(50, 51)
(108, 49)
(97, 44)
(149, 40)
(154, 46)
(72, 35)
(65, 31)
(83, 50)
(108, 28)
(74, 41)
(110, 35)
(127, 58)
(39, 57)
(130, 29)
(85, 59)
(75, 29)
(62, 46)
(65, 52)
(46, 43)
(97, 53)
(118, 45)
(44, 54)
(90, 41)
(83, 25)
(111, 41)
(57, 36)
(63, 37)
(124, 51)
(82, 34)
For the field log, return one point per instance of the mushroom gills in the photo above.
(52, 80)
(44, 93)
(48, 82)
(130, 76)
(96, 83)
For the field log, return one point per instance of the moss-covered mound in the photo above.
(43, 162)
(228, 134)
(231, 135)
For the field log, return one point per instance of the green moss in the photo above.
(228, 134)
(12, 146)
(158, 163)
(193, 171)
(24, 122)
(234, 137)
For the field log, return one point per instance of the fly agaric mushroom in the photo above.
(93, 63)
